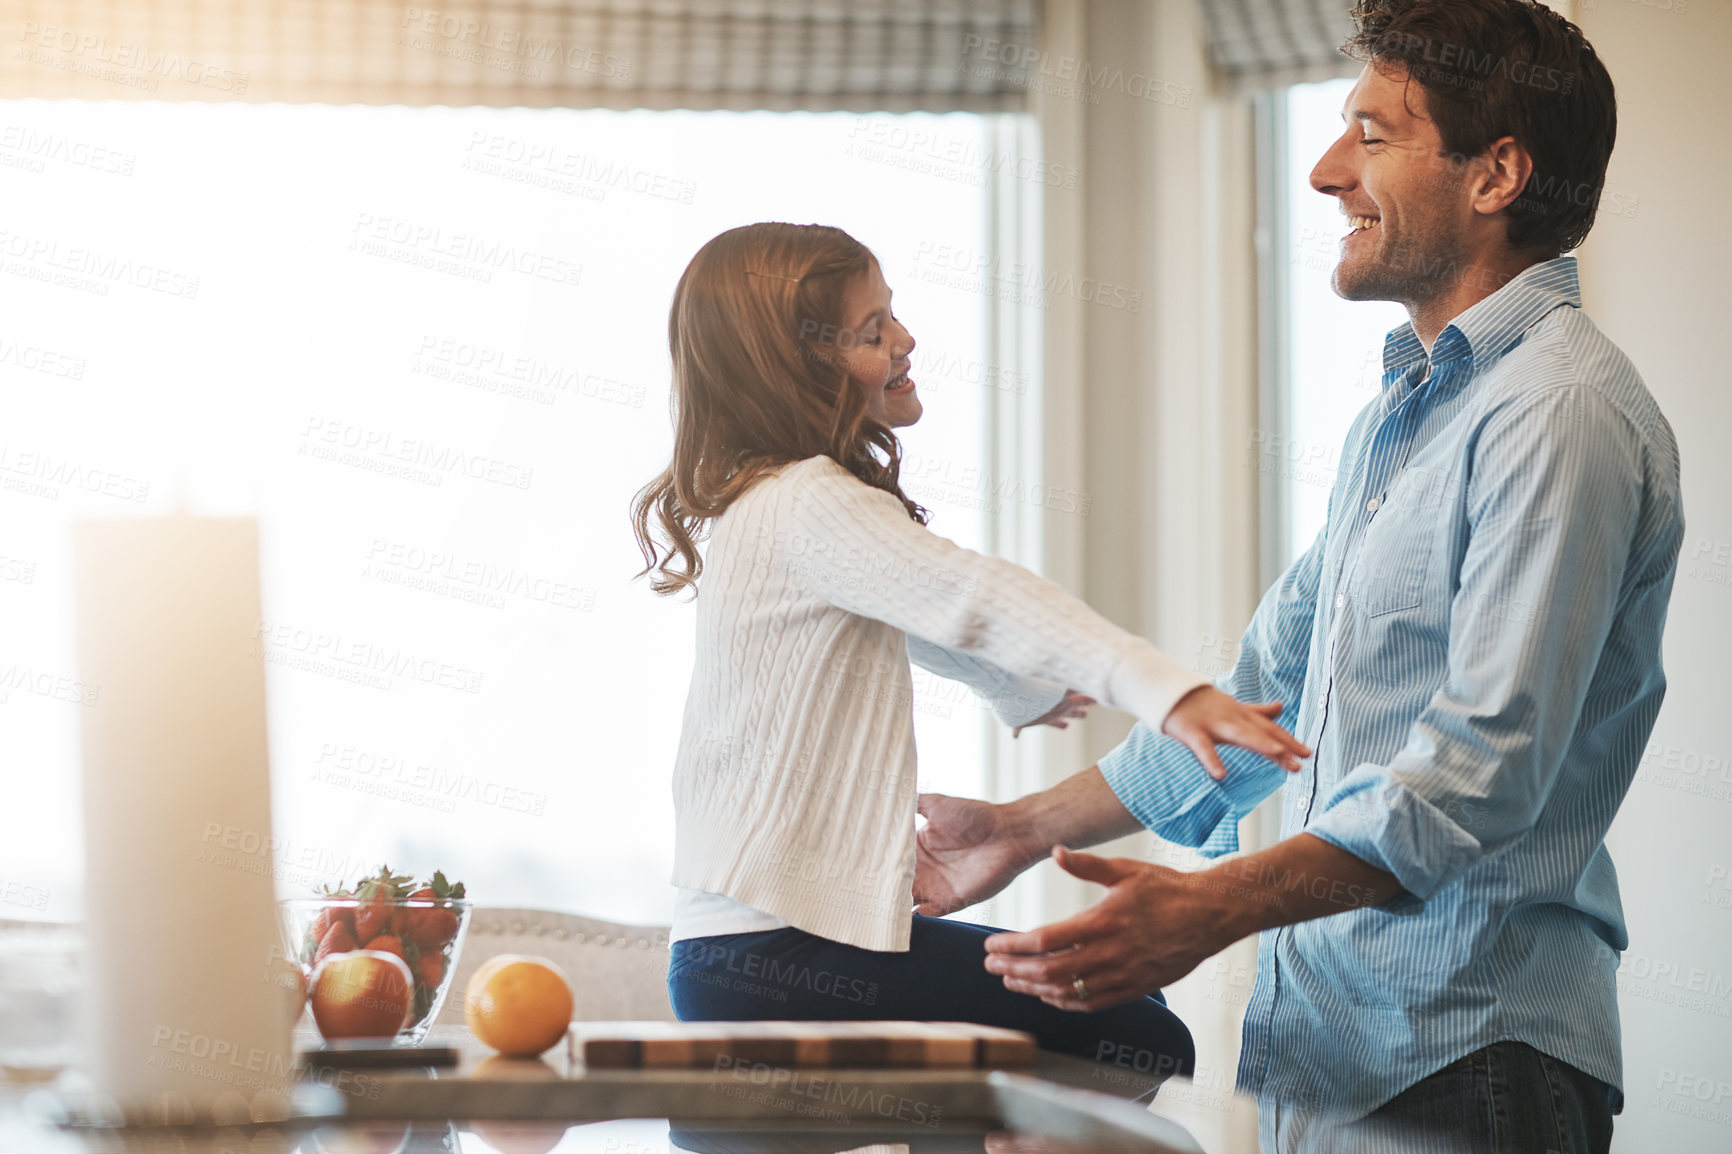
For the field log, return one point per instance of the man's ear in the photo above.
(1507, 169)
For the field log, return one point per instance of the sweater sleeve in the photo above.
(1016, 700)
(856, 547)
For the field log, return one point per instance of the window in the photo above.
(427, 348)
(1334, 358)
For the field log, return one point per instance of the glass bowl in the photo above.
(427, 933)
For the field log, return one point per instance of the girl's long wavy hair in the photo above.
(756, 332)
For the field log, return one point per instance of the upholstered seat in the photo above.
(616, 971)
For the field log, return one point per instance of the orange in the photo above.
(362, 1138)
(522, 1137)
(518, 1137)
(518, 1005)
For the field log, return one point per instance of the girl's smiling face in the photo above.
(875, 349)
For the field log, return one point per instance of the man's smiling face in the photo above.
(1408, 210)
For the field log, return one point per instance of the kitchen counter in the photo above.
(490, 1104)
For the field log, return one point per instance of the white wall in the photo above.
(1655, 279)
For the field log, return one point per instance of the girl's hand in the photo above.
(1206, 717)
(1074, 705)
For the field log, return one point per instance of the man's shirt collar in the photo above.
(1486, 330)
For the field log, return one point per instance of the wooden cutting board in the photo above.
(713, 1045)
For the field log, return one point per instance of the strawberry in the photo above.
(330, 916)
(372, 918)
(389, 943)
(432, 929)
(430, 968)
(338, 939)
(377, 916)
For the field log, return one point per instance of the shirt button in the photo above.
(1340, 600)
(1372, 505)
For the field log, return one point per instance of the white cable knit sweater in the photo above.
(794, 783)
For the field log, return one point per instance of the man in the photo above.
(1471, 646)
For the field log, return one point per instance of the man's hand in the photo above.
(965, 854)
(1074, 705)
(1154, 926)
(970, 850)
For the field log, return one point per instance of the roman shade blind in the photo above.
(1260, 44)
(860, 55)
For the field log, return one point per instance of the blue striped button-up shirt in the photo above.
(1472, 648)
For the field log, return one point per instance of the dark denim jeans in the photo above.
(1508, 1098)
(793, 975)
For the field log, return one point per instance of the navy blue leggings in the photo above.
(789, 974)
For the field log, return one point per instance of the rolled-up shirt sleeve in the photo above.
(1158, 778)
(1552, 507)
(1165, 788)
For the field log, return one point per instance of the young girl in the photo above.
(794, 785)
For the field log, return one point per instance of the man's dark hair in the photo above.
(1496, 68)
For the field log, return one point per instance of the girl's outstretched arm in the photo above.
(859, 550)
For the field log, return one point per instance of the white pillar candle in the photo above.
(185, 1010)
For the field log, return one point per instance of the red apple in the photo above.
(361, 994)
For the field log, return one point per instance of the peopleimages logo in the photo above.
(16, 893)
(981, 271)
(961, 482)
(464, 254)
(951, 157)
(1073, 70)
(37, 474)
(90, 269)
(549, 166)
(498, 370)
(417, 782)
(469, 578)
(363, 662)
(35, 359)
(1693, 1095)
(37, 148)
(802, 1092)
(1675, 984)
(345, 443)
(55, 687)
(848, 565)
(1462, 65)
(787, 975)
(468, 38)
(98, 55)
